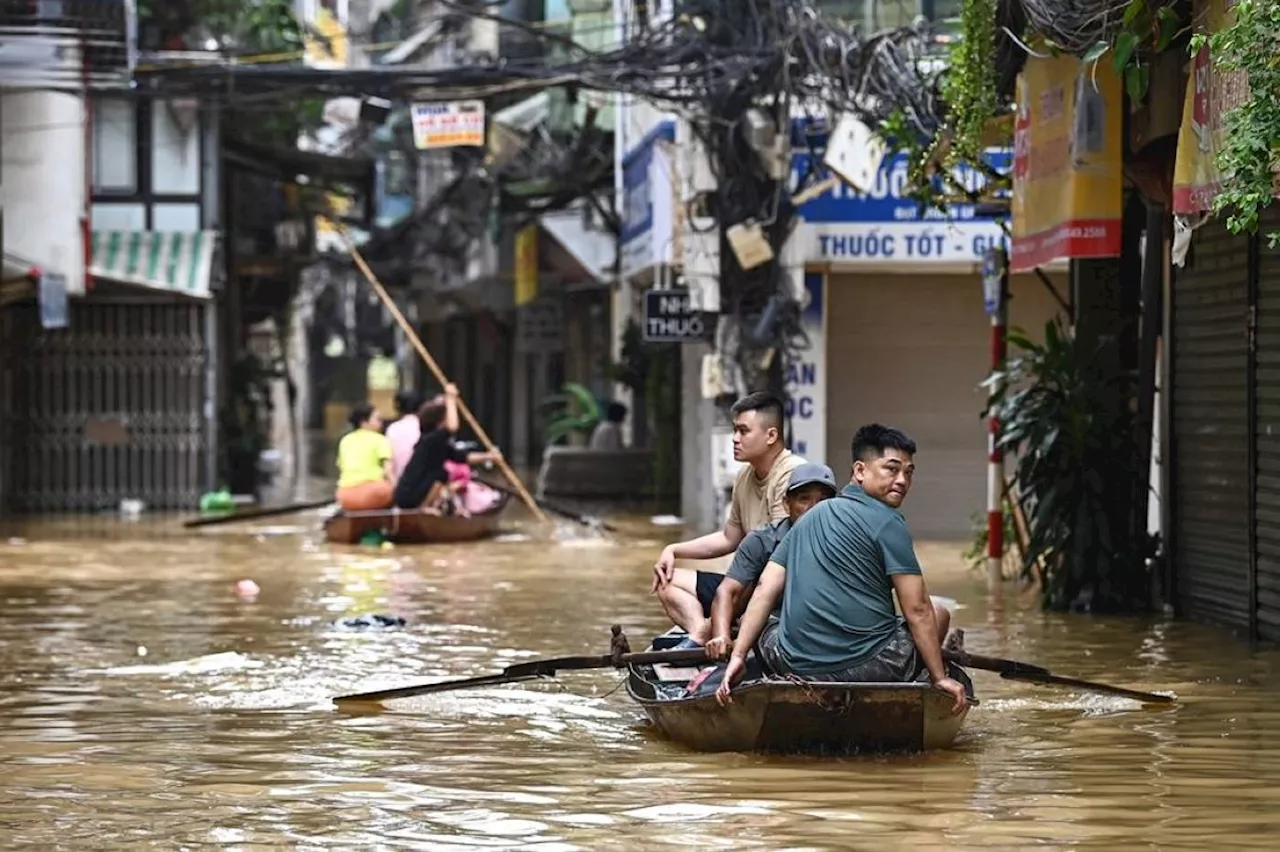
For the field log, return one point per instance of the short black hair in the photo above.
(872, 440)
(408, 402)
(360, 414)
(616, 412)
(768, 404)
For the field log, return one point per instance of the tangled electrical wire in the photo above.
(724, 64)
(1075, 26)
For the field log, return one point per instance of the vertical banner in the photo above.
(526, 264)
(1210, 94)
(1067, 173)
(806, 379)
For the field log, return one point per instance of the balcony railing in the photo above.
(64, 44)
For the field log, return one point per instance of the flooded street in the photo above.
(146, 702)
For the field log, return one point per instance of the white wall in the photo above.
(42, 149)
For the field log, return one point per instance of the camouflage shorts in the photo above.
(897, 662)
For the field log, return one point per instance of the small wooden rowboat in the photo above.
(413, 526)
(791, 717)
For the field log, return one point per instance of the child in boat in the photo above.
(470, 497)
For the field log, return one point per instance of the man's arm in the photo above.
(917, 609)
(723, 606)
(710, 546)
(767, 593)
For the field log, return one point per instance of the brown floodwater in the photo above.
(147, 703)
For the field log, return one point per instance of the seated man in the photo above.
(837, 572)
(686, 595)
(810, 484)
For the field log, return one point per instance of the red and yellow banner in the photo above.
(1210, 94)
(1067, 172)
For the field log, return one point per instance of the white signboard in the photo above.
(912, 242)
(647, 203)
(448, 125)
(806, 382)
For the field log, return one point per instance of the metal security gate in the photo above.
(1211, 429)
(109, 409)
(1267, 437)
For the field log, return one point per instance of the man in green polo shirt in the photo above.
(837, 573)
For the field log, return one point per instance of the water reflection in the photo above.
(148, 700)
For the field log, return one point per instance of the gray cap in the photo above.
(810, 473)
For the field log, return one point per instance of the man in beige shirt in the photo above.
(759, 495)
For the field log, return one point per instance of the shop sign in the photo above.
(846, 226)
(648, 202)
(1211, 93)
(670, 318)
(805, 379)
(448, 125)
(1067, 172)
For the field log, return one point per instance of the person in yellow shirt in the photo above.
(364, 463)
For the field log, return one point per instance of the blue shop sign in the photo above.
(646, 201)
(886, 202)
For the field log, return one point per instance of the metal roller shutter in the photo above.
(1267, 432)
(1211, 431)
(927, 381)
(110, 409)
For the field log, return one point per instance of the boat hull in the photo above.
(412, 526)
(788, 716)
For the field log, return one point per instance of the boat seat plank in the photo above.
(668, 673)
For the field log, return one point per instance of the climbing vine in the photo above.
(969, 84)
(1249, 156)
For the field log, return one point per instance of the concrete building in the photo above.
(108, 315)
(893, 315)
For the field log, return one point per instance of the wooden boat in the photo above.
(413, 526)
(790, 717)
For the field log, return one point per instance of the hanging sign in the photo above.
(448, 125)
(806, 380)
(526, 265)
(1211, 93)
(53, 300)
(1067, 174)
(992, 281)
(670, 318)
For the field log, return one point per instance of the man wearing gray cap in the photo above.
(810, 484)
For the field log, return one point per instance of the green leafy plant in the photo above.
(1067, 421)
(1147, 26)
(573, 410)
(969, 84)
(652, 373)
(243, 423)
(976, 554)
(1249, 157)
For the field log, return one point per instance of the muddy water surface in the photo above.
(145, 702)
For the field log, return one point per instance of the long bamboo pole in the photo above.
(440, 377)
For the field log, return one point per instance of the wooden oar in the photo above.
(1015, 670)
(413, 338)
(554, 509)
(256, 513)
(530, 671)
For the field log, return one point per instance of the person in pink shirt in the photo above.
(404, 432)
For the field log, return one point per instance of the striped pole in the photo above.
(995, 287)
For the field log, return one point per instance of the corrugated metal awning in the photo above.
(178, 262)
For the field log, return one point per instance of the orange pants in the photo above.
(366, 497)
